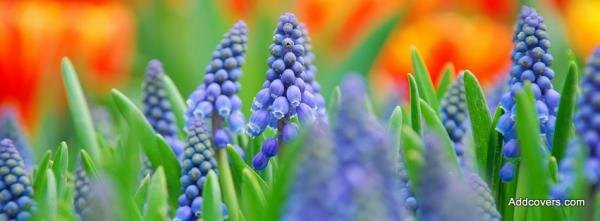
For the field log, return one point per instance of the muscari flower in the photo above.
(157, 107)
(444, 195)
(367, 160)
(216, 100)
(453, 111)
(82, 194)
(315, 194)
(484, 200)
(197, 160)
(285, 93)
(406, 193)
(587, 117)
(531, 62)
(11, 129)
(16, 193)
(310, 71)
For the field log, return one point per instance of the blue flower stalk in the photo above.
(483, 198)
(11, 128)
(453, 111)
(197, 160)
(82, 194)
(309, 76)
(367, 160)
(157, 107)
(284, 94)
(16, 193)
(216, 100)
(315, 193)
(443, 195)
(531, 62)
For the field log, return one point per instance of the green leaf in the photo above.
(564, 116)
(156, 202)
(157, 150)
(177, 104)
(88, 164)
(60, 166)
(435, 124)
(494, 158)
(253, 197)
(553, 168)
(424, 83)
(445, 81)
(362, 57)
(480, 118)
(395, 125)
(412, 154)
(141, 192)
(226, 181)
(80, 113)
(39, 178)
(415, 108)
(47, 198)
(211, 198)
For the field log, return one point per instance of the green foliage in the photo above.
(444, 81)
(424, 83)
(415, 108)
(156, 199)
(564, 117)
(211, 198)
(480, 118)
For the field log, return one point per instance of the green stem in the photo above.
(225, 179)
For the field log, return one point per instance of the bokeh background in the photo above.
(110, 43)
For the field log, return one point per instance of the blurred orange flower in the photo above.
(583, 20)
(34, 35)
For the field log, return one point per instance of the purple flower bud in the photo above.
(260, 161)
(288, 77)
(212, 91)
(258, 122)
(229, 88)
(269, 147)
(507, 172)
(203, 110)
(294, 95)
(276, 88)
(221, 138)
(262, 99)
(308, 98)
(305, 113)
(511, 149)
(223, 106)
(236, 103)
(236, 122)
(183, 213)
(280, 107)
(290, 131)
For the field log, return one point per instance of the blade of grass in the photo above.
(80, 113)
(60, 166)
(415, 108)
(88, 164)
(39, 178)
(434, 123)
(156, 202)
(395, 126)
(564, 115)
(253, 198)
(141, 192)
(211, 202)
(226, 181)
(424, 83)
(177, 103)
(480, 118)
(444, 81)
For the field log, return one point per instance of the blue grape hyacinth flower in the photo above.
(453, 112)
(309, 76)
(82, 196)
(531, 62)
(16, 193)
(216, 100)
(587, 117)
(367, 160)
(11, 128)
(285, 93)
(197, 160)
(483, 198)
(157, 107)
(315, 194)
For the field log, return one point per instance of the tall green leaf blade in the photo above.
(211, 198)
(158, 151)
(80, 113)
(434, 123)
(362, 58)
(177, 103)
(480, 118)
(156, 201)
(564, 117)
(226, 181)
(60, 166)
(415, 108)
(47, 198)
(88, 164)
(141, 192)
(424, 83)
(253, 197)
(39, 177)
(394, 126)
(444, 81)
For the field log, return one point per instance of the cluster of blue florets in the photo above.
(284, 94)
(453, 112)
(486, 204)
(197, 160)
(11, 129)
(81, 200)
(157, 107)
(16, 193)
(217, 96)
(587, 118)
(531, 63)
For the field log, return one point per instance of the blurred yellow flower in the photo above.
(583, 21)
